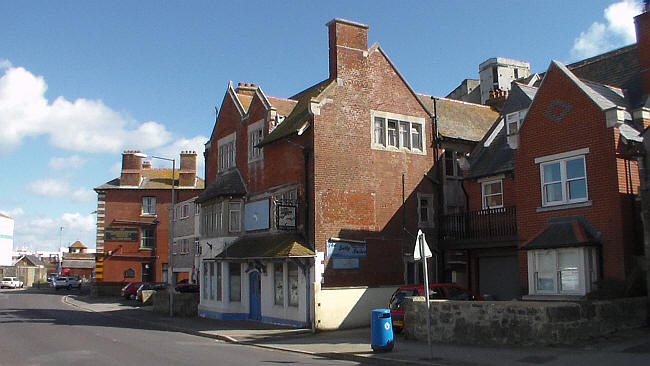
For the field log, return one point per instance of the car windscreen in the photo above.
(398, 297)
(6, 278)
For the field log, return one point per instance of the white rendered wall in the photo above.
(6, 240)
(348, 307)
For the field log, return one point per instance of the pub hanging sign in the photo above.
(286, 217)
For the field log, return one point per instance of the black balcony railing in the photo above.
(493, 223)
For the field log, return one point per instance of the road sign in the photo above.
(421, 240)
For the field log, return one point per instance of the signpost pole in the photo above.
(426, 291)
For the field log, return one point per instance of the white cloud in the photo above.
(83, 195)
(48, 187)
(13, 213)
(82, 125)
(618, 30)
(116, 169)
(174, 149)
(45, 233)
(71, 162)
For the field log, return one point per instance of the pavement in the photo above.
(631, 347)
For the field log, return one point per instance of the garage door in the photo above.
(499, 277)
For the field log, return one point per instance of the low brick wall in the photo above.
(185, 304)
(106, 289)
(521, 322)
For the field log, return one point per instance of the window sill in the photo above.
(145, 248)
(398, 149)
(148, 215)
(565, 206)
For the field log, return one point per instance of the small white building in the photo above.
(6, 239)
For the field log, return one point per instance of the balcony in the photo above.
(485, 226)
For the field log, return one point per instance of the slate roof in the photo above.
(564, 232)
(280, 245)
(460, 120)
(299, 114)
(494, 156)
(154, 179)
(30, 259)
(228, 183)
(619, 68)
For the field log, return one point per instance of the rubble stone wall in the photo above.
(521, 322)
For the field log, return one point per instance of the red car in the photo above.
(438, 291)
(130, 290)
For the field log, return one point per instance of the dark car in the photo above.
(130, 290)
(187, 287)
(157, 286)
(437, 291)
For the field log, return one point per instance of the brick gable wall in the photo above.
(583, 126)
(358, 190)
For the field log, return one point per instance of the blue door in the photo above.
(255, 297)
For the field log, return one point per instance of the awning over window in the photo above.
(564, 232)
(282, 245)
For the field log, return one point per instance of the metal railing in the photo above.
(493, 223)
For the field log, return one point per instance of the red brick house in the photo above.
(133, 218)
(77, 261)
(319, 190)
(568, 164)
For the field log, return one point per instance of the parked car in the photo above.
(187, 287)
(157, 286)
(437, 291)
(67, 282)
(11, 282)
(130, 290)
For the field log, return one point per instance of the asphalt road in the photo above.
(37, 328)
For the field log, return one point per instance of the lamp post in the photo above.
(170, 271)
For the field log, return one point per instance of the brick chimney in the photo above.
(131, 168)
(187, 174)
(246, 89)
(642, 22)
(497, 99)
(347, 42)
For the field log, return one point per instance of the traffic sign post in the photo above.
(422, 252)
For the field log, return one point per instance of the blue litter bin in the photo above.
(381, 328)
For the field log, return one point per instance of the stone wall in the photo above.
(521, 322)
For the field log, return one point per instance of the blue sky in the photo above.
(82, 81)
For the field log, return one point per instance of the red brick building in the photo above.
(77, 261)
(339, 172)
(133, 218)
(564, 158)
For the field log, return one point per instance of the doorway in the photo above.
(255, 296)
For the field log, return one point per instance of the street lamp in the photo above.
(170, 270)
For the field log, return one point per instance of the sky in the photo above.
(82, 81)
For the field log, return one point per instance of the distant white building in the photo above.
(6, 239)
(498, 73)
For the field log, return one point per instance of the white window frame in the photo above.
(279, 292)
(484, 196)
(586, 268)
(151, 239)
(393, 139)
(234, 226)
(514, 118)
(148, 206)
(234, 296)
(255, 136)
(227, 152)
(185, 211)
(430, 211)
(562, 160)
